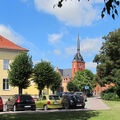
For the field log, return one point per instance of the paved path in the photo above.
(96, 103)
(93, 103)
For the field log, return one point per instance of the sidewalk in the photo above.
(96, 103)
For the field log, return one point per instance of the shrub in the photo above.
(110, 94)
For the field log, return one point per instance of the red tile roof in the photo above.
(6, 44)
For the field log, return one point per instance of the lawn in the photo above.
(112, 114)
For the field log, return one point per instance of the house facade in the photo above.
(8, 52)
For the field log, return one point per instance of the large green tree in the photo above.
(43, 75)
(20, 71)
(108, 60)
(84, 78)
(57, 82)
(110, 6)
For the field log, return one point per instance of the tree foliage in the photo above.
(72, 87)
(108, 60)
(57, 82)
(43, 74)
(20, 71)
(110, 7)
(84, 78)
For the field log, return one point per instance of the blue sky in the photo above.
(51, 33)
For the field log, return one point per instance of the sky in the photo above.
(51, 34)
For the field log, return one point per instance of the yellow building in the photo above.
(8, 52)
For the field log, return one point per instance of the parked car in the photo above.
(49, 101)
(73, 101)
(1, 104)
(81, 94)
(20, 102)
(80, 101)
(69, 101)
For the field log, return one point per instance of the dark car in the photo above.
(69, 101)
(73, 101)
(1, 104)
(20, 102)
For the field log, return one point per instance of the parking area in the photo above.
(93, 103)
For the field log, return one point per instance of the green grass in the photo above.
(112, 114)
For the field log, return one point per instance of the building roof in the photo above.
(66, 72)
(78, 57)
(7, 44)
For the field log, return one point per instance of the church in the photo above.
(78, 64)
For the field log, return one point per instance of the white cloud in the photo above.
(57, 52)
(98, 1)
(70, 50)
(90, 65)
(10, 34)
(91, 45)
(72, 13)
(54, 38)
(88, 47)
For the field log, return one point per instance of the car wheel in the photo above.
(14, 108)
(45, 107)
(1, 110)
(66, 105)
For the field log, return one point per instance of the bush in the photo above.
(110, 94)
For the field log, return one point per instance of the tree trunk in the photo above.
(20, 90)
(40, 93)
(53, 91)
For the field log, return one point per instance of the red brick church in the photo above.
(78, 64)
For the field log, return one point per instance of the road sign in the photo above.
(86, 87)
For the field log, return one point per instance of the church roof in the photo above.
(7, 44)
(78, 57)
(66, 72)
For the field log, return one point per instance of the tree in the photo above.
(38, 79)
(110, 7)
(20, 71)
(43, 75)
(108, 59)
(84, 78)
(57, 82)
(72, 87)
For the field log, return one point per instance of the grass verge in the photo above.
(112, 114)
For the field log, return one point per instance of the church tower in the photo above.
(78, 63)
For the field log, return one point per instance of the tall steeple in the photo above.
(78, 64)
(78, 44)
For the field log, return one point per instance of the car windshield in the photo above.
(80, 93)
(54, 97)
(72, 97)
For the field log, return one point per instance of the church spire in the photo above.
(78, 44)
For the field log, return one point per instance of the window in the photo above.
(44, 98)
(74, 67)
(5, 64)
(80, 66)
(5, 84)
